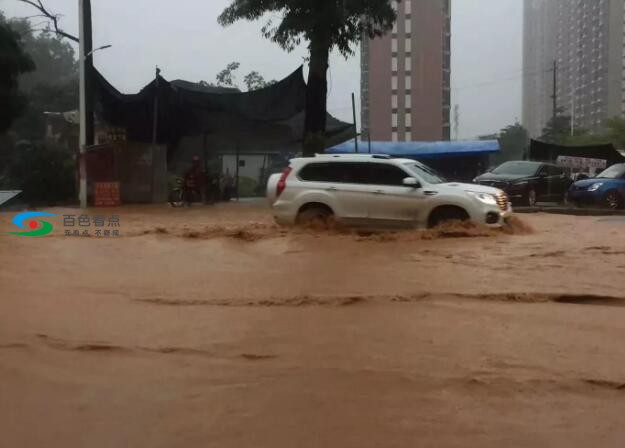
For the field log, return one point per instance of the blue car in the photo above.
(606, 190)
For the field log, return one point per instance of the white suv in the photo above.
(378, 191)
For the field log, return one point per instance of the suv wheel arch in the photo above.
(312, 212)
(447, 213)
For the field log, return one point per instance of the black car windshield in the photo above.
(614, 172)
(517, 168)
(426, 173)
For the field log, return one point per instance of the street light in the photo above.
(83, 116)
(103, 47)
(84, 7)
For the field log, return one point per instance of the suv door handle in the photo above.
(378, 192)
(331, 189)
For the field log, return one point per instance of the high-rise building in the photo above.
(583, 40)
(405, 84)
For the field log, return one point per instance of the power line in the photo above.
(500, 80)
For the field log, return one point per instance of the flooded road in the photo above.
(210, 326)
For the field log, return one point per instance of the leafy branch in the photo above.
(53, 18)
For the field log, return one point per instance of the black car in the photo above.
(528, 182)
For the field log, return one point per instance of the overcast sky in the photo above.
(184, 39)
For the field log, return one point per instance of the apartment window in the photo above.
(394, 120)
(408, 136)
(408, 45)
(408, 66)
(394, 83)
(408, 101)
(408, 5)
(394, 64)
(408, 27)
(408, 83)
(394, 45)
(394, 101)
(408, 120)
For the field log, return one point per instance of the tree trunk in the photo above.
(316, 100)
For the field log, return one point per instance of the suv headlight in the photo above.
(595, 187)
(486, 198)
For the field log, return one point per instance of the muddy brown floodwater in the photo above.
(211, 327)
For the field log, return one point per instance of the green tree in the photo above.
(615, 132)
(584, 137)
(514, 141)
(227, 78)
(255, 81)
(41, 99)
(52, 86)
(324, 25)
(558, 128)
(14, 61)
(54, 58)
(44, 172)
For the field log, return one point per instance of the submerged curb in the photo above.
(574, 211)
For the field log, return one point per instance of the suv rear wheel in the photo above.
(446, 214)
(315, 215)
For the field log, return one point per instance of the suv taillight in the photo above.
(282, 181)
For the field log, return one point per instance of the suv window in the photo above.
(554, 171)
(384, 174)
(336, 172)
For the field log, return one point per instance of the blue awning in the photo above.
(421, 150)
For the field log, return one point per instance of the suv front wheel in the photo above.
(613, 200)
(446, 214)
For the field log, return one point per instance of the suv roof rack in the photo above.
(368, 156)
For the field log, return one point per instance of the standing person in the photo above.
(194, 181)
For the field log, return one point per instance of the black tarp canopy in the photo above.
(549, 152)
(187, 109)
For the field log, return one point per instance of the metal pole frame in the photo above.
(86, 96)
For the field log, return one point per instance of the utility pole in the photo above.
(456, 121)
(554, 97)
(355, 128)
(573, 114)
(155, 120)
(86, 94)
(155, 129)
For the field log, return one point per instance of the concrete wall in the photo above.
(616, 59)
(407, 92)
(140, 168)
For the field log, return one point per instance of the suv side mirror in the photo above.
(411, 182)
(542, 174)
